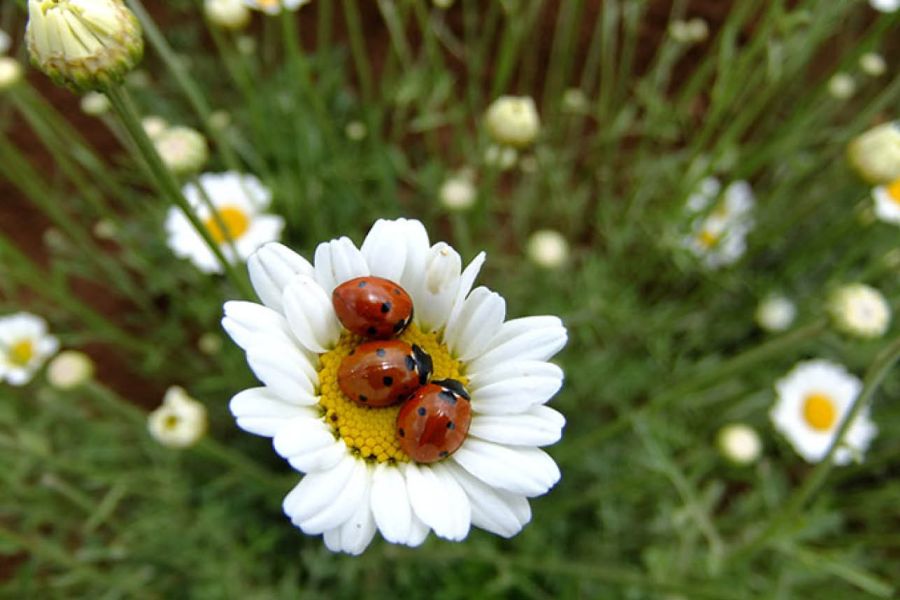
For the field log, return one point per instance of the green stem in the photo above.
(875, 375)
(166, 182)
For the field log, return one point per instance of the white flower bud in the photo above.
(154, 126)
(273, 7)
(228, 14)
(220, 120)
(182, 149)
(95, 104)
(457, 193)
(356, 131)
(841, 86)
(501, 157)
(776, 313)
(179, 422)
(104, 229)
(10, 73)
(5, 42)
(575, 101)
(739, 443)
(512, 121)
(70, 369)
(442, 270)
(210, 344)
(272, 268)
(875, 154)
(84, 44)
(873, 64)
(548, 249)
(697, 30)
(886, 6)
(859, 310)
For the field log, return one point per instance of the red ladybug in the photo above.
(433, 424)
(383, 372)
(372, 307)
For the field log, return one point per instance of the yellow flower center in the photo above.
(171, 422)
(370, 433)
(707, 239)
(21, 353)
(893, 191)
(819, 411)
(235, 220)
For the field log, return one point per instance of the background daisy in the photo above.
(25, 346)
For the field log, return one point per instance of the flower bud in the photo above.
(548, 249)
(457, 193)
(739, 443)
(227, 14)
(775, 313)
(183, 150)
(5, 42)
(84, 44)
(10, 73)
(70, 369)
(95, 104)
(875, 154)
(873, 64)
(512, 121)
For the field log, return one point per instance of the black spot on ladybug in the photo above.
(451, 425)
(362, 284)
(401, 432)
(410, 363)
(422, 411)
(352, 352)
(380, 352)
(362, 398)
(371, 331)
(444, 454)
(388, 381)
(396, 292)
(448, 396)
(385, 307)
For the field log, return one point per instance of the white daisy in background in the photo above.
(813, 401)
(358, 479)
(776, 313)
(719, 228)
(886, 6)
(875, 153)
(240, 201)
(180, 422)
(25, 346)
(273, 7)
(887, 202)
(859, 310)
(739, 444)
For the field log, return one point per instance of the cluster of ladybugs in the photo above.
(435, 417)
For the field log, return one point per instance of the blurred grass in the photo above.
(661, 353)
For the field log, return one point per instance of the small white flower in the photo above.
(5, 42)
(739, 443)
(886, 6)
(458, 193)
(25, 346)
(180, 422)
(10, 72)
(182, 149)
(776, 313)
(95, 104)
(273, 7)
(887, 202)
(841, 86)
(154, 126)
(228, 14)
(501, 157)
(875, 154)
(86, 44)
(873, 64)
(356, 131)
(548, 248)
(240, 201)
(860, 310)
(718, 236)
(512, 121)
(812, 402)
(358, 480)
(70, 369)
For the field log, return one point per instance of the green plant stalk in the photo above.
(166, 183)
(882, 364)
(358, 50)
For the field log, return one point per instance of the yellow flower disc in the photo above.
(819, 411)
(893, 191)
(236, 222)
(370, 433)
(21, 353)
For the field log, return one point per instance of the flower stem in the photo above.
(166, 182)
(875, 375)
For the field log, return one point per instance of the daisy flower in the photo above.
(180, 422)
(273, 7)
(240, 201)
(25, 346)
(887, 202)
(813, 401)
(719, 231)
(358, 479)
(860, 310)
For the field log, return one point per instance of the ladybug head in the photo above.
(455, 386)
(424, 366)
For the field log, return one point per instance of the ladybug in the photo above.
(433, 424)
(372, 307)
(383, 372)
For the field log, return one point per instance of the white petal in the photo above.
(417, 245)
(338, 261)
(438, 500)
(309, 445)
(434, 296)
(271, 268)
(385, 249)
(515, 394)
(261, 412)
(390, 504)
(337, 494)
(512, 370)
(526, 471)
(540, 426)
(529, 338)
(311, 315)
(418, 532)
(470, 331)
(246, 322)
(493, 510)
(357, 532)
(466, 281)
(284, 369)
